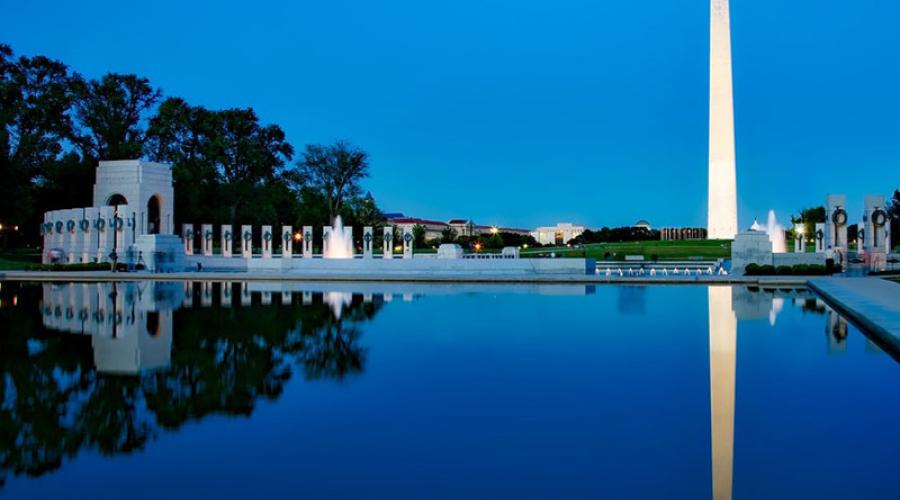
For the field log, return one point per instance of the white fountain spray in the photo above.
(776, 234)
(340, 244)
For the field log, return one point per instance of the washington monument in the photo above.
(722, 211)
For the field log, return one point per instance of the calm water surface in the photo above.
(204, 390)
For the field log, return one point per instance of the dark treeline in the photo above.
(615, 235)
(55, 125)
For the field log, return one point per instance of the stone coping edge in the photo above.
(393, 277)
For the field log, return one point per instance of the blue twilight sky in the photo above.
(525, 112)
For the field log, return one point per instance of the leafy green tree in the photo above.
(809, 217)
(110, 113)
(418, 232)
(34, 122)
(448, 235)
(336, 170)
(894, 206)
(227, 166)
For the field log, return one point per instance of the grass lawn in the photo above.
(13, 265)
(664, 250)
(17, 260)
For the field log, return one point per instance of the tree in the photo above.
(109, 113)
(335, 170)
(894, 212)
(34, 122)
(809, 217)
(223, 159)
(448, 235)
(894, 207)
(418, 232)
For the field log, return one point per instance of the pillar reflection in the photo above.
(722, 357)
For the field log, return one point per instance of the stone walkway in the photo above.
(873, 303)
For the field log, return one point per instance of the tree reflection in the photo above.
(54, 403)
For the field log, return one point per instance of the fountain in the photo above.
(775, 232)
(340, 244)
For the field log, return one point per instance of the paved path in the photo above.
(874, 303)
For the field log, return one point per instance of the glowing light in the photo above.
(478, 247)
(494, 230)
(298, 236)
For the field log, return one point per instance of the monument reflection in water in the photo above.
(115, 366)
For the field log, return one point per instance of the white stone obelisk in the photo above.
(722, 211)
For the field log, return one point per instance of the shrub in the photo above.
(784, 271)
(752, 270)
(766, 270)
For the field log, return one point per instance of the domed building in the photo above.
(642, 224)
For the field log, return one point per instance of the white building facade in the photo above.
(559, 234)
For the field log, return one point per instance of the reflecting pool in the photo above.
(274, 390)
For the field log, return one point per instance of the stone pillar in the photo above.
(876, 224)
(819, 236)
(123, 231)
(307, 242)
(326, 235)
(267, 238)
(836, 222)
(307, 298)
(206, 239)
(287, 242)
(800, 238)
(46, 233)
(246, 298)
(187, 234)
(246, 241)
(225, 294)
(348, 236)
(388, 242)
(105, 234)
(887, 236)
(266, 297)
(88, 235)
(368, 237)
(73, 236)
(227, 235)
(408, 242)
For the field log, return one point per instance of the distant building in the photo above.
(463, 227)
(487, 230)
(642, 224)
(433, 229)
(682, 233)
(559, 234)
